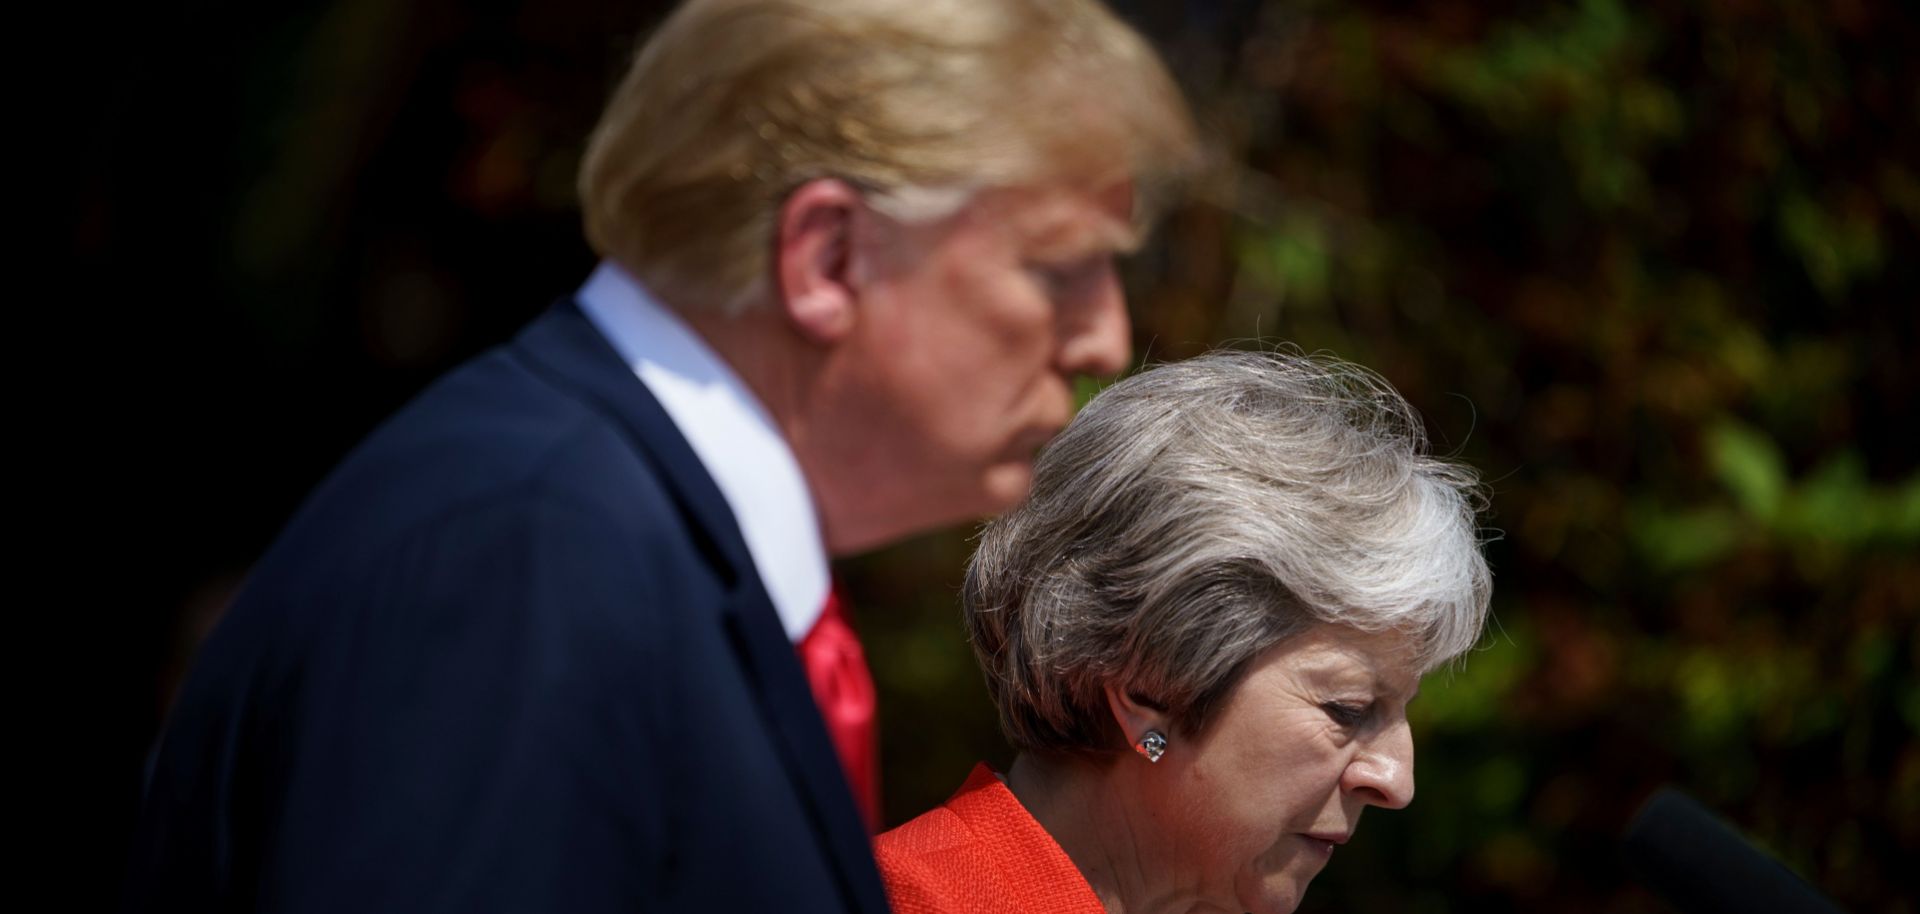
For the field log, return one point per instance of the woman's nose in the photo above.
(1382, 773)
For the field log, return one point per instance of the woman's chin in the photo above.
(1278, 893)
(1280, 885)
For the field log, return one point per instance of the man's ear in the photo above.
(1135, 715)
(813, 256)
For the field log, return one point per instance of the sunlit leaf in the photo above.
(1749, 465)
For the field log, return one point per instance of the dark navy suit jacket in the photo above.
(511, 656)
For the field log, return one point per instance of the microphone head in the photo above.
(1701, 865)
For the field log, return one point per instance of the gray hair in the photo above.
(1196, 514)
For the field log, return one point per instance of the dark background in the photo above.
(1651, 268)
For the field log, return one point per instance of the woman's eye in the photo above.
(1344, 713)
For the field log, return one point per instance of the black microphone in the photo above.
(1700, 865)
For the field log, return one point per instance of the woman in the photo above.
(1202, 632)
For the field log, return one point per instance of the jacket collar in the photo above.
(563, 345)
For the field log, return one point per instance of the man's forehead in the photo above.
(1067, 220)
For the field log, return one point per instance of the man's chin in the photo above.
(1006, 485)
(1000, 489)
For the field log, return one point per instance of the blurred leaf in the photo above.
(1831, 503)
(1707, 689)
(1834, 250)
(1873, 654)
(1293, 260)
(1749, 465)
(1085, 388)
(1471, 692)
(1498, 785)
(1684, 539)
(1904, 512)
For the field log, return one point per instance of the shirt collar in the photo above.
(732, 434)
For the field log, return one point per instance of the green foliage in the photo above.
(1649, 267)
(1834, 506)
(1470, 694)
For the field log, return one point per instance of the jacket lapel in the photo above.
(564, 345)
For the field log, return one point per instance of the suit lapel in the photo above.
(770, 660)
(564, 345)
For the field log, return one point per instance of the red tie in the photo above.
(843, 687)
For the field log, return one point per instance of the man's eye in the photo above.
(1055, 276)
(1344, 713)
(1060, 277)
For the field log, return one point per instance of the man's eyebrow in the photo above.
(1068, 242)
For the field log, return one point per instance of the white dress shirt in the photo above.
(730, 432)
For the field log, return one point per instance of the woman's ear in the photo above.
(812, 253)
(1136, 716)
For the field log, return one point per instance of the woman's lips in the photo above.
(1325, 842)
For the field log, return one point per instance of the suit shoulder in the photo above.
(490, 432)
(494, 496)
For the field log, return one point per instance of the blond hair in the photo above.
(918, 103)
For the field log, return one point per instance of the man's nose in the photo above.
(1098, 336)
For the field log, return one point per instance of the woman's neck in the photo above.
(1080, 803)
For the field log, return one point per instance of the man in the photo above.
(532, 646)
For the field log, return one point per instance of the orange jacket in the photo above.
(980, 853)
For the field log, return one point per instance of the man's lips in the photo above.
(1030, 442)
